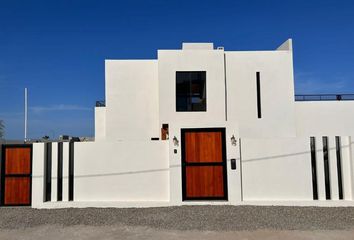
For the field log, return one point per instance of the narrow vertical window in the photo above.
(47, 172)
(71, 170)
(259, 107)
(326, 167)
(60, 172)
(339, 167)
(314, 168)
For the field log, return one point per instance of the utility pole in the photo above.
(26, 115)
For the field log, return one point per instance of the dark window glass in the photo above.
(190, 91)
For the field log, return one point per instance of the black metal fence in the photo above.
(100, 103)
(324, 97)
(298, 98)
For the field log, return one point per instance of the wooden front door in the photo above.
(16, 172)
(204, 164)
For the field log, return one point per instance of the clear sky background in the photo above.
(57, 48)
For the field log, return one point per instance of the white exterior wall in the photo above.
(276, 169)
(100, 123)
(233, 176)
(347, 170)
(131, 100)
(325, 118)
(346, 162)
(274, 164)
(211, 61)
(349, 166)
(117, 172)
(37, 175)
(196, 59)
(140, 94)
(54, 173)
(65, 171)
(280, 169)
(277, 93)
(330, 118)
(121, 171)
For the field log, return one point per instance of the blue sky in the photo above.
(57, 48)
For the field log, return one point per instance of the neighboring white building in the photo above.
(201, 125)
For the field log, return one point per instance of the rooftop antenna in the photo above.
(26, 102)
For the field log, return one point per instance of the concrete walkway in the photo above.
(127, 232)
(188, 222)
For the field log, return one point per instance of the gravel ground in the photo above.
(190, 218)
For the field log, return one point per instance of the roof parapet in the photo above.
(197, 46)
(286, 46)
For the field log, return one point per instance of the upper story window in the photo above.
(191, 91)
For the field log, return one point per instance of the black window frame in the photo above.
(190, 94)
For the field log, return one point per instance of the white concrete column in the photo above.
(352, 166)
(346, 168)
(65, 171)
(320, 169)
(233, 176)
(333, 171)
(37, 174)
(175, 166)
(54, 171)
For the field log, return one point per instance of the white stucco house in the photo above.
(203, 125)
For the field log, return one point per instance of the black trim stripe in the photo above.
(314, 168)
(17, 175)
(71, 170)
(259, 101)
(326, 168)
(339, 167)
(47, 172)
(196, 164)
(60, 172)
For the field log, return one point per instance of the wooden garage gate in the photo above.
(204, 164)
(16, 175)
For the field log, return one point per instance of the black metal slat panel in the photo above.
(71, 171)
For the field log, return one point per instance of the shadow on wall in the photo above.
(289, 155)
(179, 165)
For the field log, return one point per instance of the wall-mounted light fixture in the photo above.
(175, 141)
(233, 140)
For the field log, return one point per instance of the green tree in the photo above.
(2, 129)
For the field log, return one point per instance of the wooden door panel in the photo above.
(18, 161)
(203, 147)
(16, 175)
(204, 181)
(17, 191)
(204, 164)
